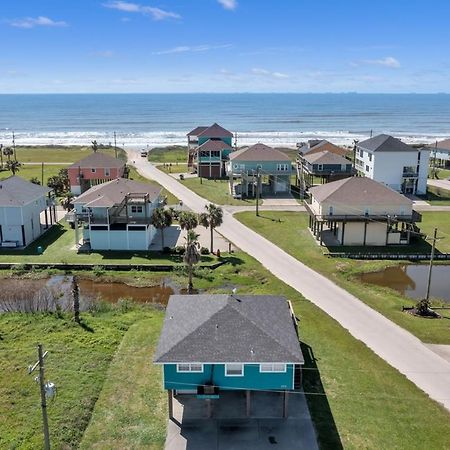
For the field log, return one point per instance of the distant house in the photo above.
(116, 215)
(94, 169)
(208, 150)
(440, 153)
(211, 343)
(390, 161)
(320, 145)
(360, 211)
(21, 206)
(325, 165)
(273, 165)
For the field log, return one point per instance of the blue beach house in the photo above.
(208, 150)
(214, 343)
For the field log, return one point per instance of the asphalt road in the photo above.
(396, 346)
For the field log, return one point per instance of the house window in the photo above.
(136, 209)
(93, 170)
(367, 168)
(272, 367)
(234, 370)
(107, 172)
(370, 156)
(282, 167)
(190, 367)
(361, 153)
(320, 167)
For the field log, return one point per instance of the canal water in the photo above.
(30, 295)
(411, 280)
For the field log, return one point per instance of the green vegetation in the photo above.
(437, 196)
(174, 168)
(170, 154)
(135, 175)
(58, 244)
(216, 191)
(28, 172)
(355, 398)
(442, 174)
(289, 230)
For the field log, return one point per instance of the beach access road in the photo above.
(403, 351)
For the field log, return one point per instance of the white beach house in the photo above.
(116, 215)
(390, 161)
(21, 206)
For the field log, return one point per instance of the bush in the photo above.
(167, 249)
(204, 251)
(179, 250)
(98, 271)
(181, 177)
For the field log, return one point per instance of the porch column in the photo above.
(247, 403)
(285, 404)
(321, 233)
(46, 218)
(343, 232)
(170, 401)
(365, 232)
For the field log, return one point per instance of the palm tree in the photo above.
(161, 219)
(76, 299)
(211, 219)
(66, 200)
(191, 256)
(35, 180)
(13, 166)
(94, 146)
(8, 151)
(188, 220)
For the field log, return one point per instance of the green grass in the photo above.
(215, 191)
(58, 244)
(441, 173)
(355, 398)
(293, 236)
(30, 171)
(135, 175)
(437, 196)
(172, 153)
(174, 168)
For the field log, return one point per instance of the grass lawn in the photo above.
(441, 173)
(215, 191)
(356, 399)
(293, 236)
(35, 170)
(135, 175)
(170, 154)
(60, 153)
(174, 168)
(59, 247)
(437, 196)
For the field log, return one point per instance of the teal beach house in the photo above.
(215, 343)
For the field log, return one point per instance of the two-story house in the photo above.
(116, 215)
(95, 169)
(360, 211)
(324, 165)
(390, 161)
(273, 166)
(320, 145)
(214, 343)
(26, 211)
(440, 154)
(208, 150)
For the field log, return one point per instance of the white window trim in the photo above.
(107, 172)
(190, 368)
(234, 374)
(93, 170)
(272, 369)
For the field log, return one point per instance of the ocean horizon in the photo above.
(275, 119)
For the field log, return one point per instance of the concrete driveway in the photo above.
(230, 429)
(395, 345)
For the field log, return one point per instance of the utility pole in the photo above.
(42, 173)
(115, 145)
(433, 170)
(257, 190)
(14, 146)
(433, 248)
(40, 379)
(1, 156)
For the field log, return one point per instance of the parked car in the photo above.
(144, 153)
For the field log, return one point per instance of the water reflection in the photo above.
(411, 280)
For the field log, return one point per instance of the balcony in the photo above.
(410, 175)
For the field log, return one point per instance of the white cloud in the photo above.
(388, 61)
(229, 4)
(41, 21)
(188, 48)
(155, 13)
(268, 73)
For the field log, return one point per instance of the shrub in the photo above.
(166, 249)
(179, 250)
(204, 251)
(98, 271)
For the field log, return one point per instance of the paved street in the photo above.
(443, 184)
(398, 347)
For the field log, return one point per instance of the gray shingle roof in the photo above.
(15, 191)
(113, 192)
(385, 143)
(214, 144)
(228, 328)
(358, 190)
(196, 131)
(441, 145)
(259, 152)
(326, 157)
(216, 131)
(98, 160)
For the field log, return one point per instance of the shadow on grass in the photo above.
(86, 327)
(435, 194)
(47, 239)
(319, 408)
(232, 260)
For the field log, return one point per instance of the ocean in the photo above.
(275, 119)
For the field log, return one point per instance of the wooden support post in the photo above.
(248, 403)
(208, 408)
(321, 233)
(46, 218)
(285, 404)
(170, 401)
(343, 232)
(365, 232)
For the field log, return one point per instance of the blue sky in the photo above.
(225, 46)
